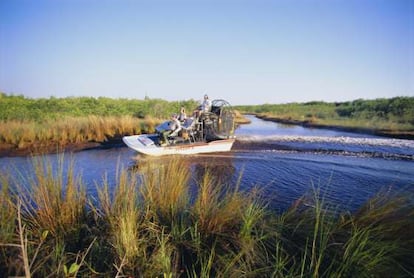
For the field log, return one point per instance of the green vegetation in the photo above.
(39, 125)
(57, 122)
(392, 115)
(153, 224)
(20, 108)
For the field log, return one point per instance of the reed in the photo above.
(379, 236)
(7, 210)
(165, 190)
(8, 217)
(218, 207)
(228, 228)
(123, 217)
(49, 206)
(56, 198)
(369, 243)
(165, 195)
(21, 134)
(157, 222)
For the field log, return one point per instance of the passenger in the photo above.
(206, 105)
(174, 127)
(183, 116)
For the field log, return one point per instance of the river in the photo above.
(283, 161)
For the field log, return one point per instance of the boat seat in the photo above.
(190, 127)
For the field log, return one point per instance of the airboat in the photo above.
(207, 132)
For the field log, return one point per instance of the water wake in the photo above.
(321, 139)
(349, 146)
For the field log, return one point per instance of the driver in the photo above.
(206, 105)
(174, 127)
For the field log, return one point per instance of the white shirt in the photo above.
(175, 124)
(206, 105)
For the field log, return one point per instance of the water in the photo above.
(284, 161)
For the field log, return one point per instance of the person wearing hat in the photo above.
(174, 127)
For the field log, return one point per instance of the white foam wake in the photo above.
(388, 142)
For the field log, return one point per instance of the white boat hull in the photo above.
(143, 144)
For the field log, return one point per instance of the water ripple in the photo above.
(347, 146)
(321, 139)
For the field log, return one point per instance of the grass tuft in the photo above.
(152, 223)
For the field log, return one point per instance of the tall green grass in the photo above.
(50, 208)
(157, 222)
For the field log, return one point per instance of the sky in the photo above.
(243, 51)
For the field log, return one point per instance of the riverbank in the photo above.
(393, 117)
(21, 138)
(48, 147)
(361, 130)
(36, 149)
(74, 134)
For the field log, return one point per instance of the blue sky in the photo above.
(247, 52)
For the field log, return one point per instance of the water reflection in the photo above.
(219, 167)
(261, 127)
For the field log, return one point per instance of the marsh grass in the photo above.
(368, 243)
(67, 130)
(165, 190)
(393, 115)
(56, 198)
(120, 211)
(159, 223)
(48, 211)
(7, 210)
